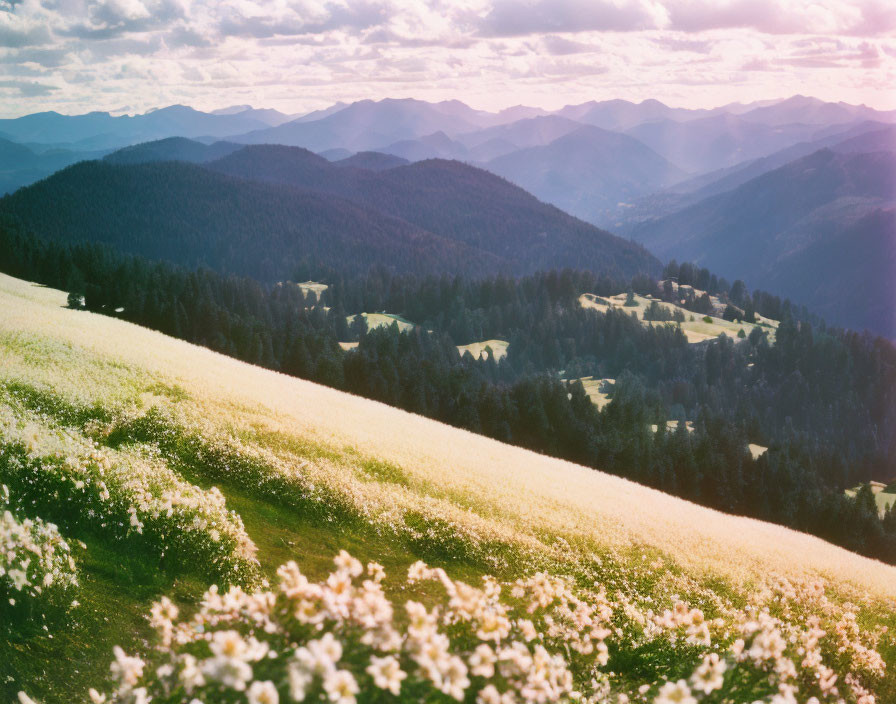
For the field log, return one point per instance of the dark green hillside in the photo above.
(287, 205)
(822, 401)
(456, 201)
(372, 161)
(192, 216)
(172, 149)
(850, 274)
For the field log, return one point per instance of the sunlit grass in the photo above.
(310, 471)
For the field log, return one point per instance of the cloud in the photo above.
(186, 37)
(17, 32)
(29, 89)
(86, 54)
(43, 58)
(832, 53)
(825, 17)
(301, 17)
(676, 43)
(757, 64)
(854, 17)
(561, 46)
(509, 18)
(110, 19)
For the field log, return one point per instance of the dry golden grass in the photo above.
(478, 349)
(757, 450)
(696, 330)
(883, 499)
(313, 287)
(377, 320)
(478, 485)
(593, 388)
(672, 426)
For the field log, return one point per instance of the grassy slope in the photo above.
(696, 330)
(385, 484)
(378, 320)
(478, 349)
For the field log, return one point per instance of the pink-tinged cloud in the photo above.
(514, 17)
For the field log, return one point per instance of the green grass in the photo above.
(118, 586)
(116, 590)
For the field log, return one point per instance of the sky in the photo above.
(127, 56)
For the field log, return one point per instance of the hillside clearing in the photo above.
(672, 426)
(884, 495)
(757, 450)
(479, 349)
(598, 390)
(313, 287)
(695, 327)
(376, 320)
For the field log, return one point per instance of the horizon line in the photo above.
(297, 115)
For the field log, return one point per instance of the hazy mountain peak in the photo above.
(232, 110)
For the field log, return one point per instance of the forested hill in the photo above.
(192, 216)
(172, 149)
(276, 207)
(454, 200)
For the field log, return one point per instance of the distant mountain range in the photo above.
(729, 187)
(21, 165)
(718, 141)
(172, 149)
(100, 130)
(588, 172)
(693, 142)
(262, 210)
(864, 136)
(374, 125)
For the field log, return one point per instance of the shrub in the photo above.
(37, 571)
(127, 498)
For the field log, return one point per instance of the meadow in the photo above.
(165, 468)
(696, 327)
(377, 320)
(598, 390)
(479, 350)
(884, 495)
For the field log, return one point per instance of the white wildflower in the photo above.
(387, 673)
(262, 693)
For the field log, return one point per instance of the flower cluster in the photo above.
(129, 496)
(36, 563)
(536, 640)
